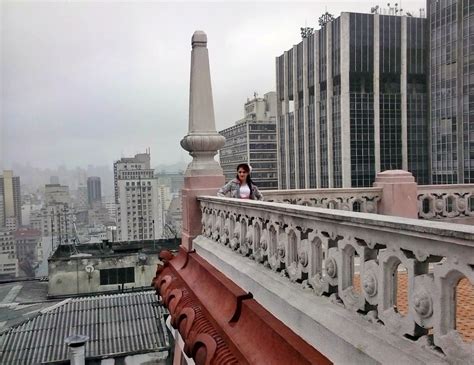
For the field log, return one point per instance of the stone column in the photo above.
(286, 110)
(329, 97)
(279, 114)
(295, 118)
(305, 111)
(377, 92)
(345, 102)
(399, 195)
(317, 113)
(403, 92)
(204, 176)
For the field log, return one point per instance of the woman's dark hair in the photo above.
(246, 167)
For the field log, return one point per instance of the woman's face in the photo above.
(242, 174)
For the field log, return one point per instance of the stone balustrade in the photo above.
(353, 199)
(445, 201)
(323, 251)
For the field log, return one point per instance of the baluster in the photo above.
(349, 248)
(389, 261)
(276, 243)
(247, 237)
(446, 277)
(290, 259)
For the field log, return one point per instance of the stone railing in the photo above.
(354, 199)
(445, 201)
(329, 252)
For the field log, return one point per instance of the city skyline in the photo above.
(77, 96)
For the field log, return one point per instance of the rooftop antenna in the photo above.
(59, 227)
(65, 223)
(52, 229)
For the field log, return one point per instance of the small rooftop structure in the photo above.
(104, 267)
(109, 249)
(118, 326)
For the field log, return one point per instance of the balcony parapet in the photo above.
(319, 252)
(445, 201)
(352, 199)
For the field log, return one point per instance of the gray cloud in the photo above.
(86, 82)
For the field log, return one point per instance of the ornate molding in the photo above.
(216, 318)
(328, 251)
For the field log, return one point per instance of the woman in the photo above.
(242, 187)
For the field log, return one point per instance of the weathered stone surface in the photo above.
(399, 191)
(324, 250)
(204, 175)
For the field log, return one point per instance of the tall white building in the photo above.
(109, 204)
(54, 220)
(57, 194)
(130, 168)
(11, 200)
(8, 259)
(138, 197)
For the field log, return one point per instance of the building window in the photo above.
(117, 276)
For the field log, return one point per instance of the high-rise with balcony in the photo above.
(352, 101)
(451, 65)
(253, 140)
(11, 200)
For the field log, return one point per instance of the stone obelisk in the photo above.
(203, 175)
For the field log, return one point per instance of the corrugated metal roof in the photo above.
(115, 324)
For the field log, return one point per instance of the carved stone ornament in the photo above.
(281, 250)
(370, 207)
(423, 303)
(331, 267)
(303, 258)
(369, 283)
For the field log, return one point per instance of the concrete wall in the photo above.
(155, 358)
(69, 276)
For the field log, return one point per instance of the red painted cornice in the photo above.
(219, 322)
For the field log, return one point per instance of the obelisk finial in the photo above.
(202, 140)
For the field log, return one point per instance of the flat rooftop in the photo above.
(22, 300)
(110, 249)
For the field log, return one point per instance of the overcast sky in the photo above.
(88, 82)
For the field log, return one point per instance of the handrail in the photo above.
(326, 249)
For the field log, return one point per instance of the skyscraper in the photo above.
(94, 190)
(131, 167)
(451, 66)
(352, 101)
(11, 193)
(253, 140)
(139, 207)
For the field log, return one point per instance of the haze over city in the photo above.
(86, 83)
(327, 216)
